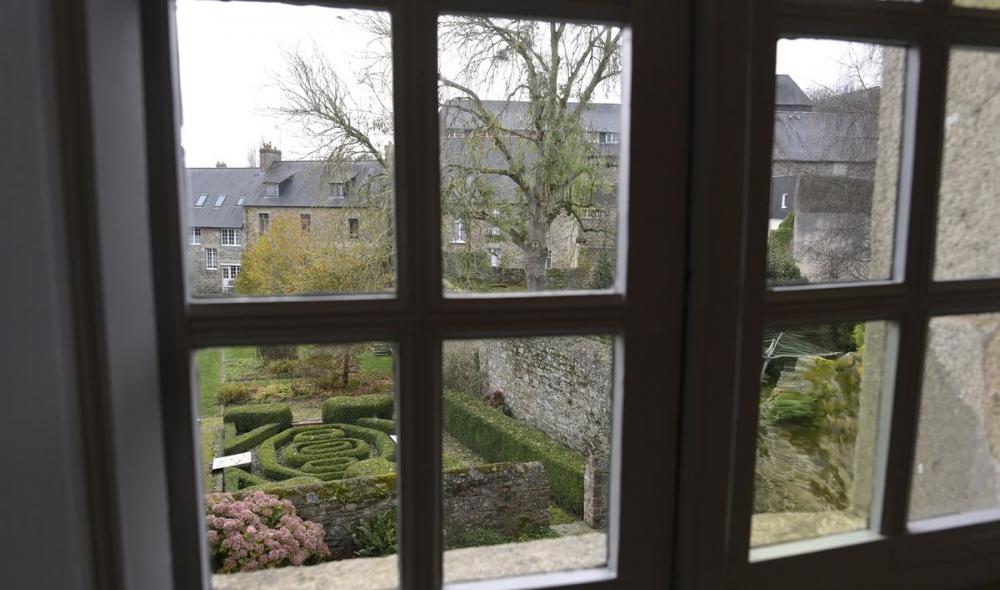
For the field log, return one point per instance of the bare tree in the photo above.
(517, 171)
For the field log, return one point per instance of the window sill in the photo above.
(586, 551)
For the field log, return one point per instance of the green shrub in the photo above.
(497, 438)
(373, 466)
(375, 536)
(321, 451)
(235, 479)
(274, 392)
(475, 537)
(281, 367)
(382, 424)
(461, 368)
(787, 407)
(234, 392)
(347, 409)
(241, 443)
(247, 418)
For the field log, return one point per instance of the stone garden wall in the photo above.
(504, 496)
(560, 385)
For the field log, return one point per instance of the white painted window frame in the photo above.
(211, 259)
(272, 190)
(263, 221)
(195, 236)
(237, 237)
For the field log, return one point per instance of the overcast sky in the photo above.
(230, 53)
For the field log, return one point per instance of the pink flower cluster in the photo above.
(260, 531)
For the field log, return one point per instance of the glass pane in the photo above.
(532, 133)
(970, 180)
(822, 390)
(308, 430)
(287, 137)
(957, 463)
(835, 162)
(527, 437)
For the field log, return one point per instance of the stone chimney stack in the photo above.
(269, 155)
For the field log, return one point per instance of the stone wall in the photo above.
(560, 385)
(832, 232)
(201, 280)
(503, 496)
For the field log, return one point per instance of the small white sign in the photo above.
(231, 461)
(394, 438)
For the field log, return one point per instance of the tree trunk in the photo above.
(347, 368)
(536, 249)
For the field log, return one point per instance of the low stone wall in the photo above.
(501, 496)
(560, 385)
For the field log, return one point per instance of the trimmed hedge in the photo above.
(383, 424)
(247, 418)
(321, 451)
(349, 409)
(497, 437)
(373, 466)
(240, 443)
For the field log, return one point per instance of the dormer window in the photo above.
(219, 200)
(271, 189)
(201, 201)
(338, 190)
(784, 200)
(240, 201)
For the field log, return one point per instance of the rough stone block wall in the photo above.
(596, 491)
(202, 281)
(502, 496)
(560, 385)
(832, 233)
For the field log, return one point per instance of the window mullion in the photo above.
(414, 41)
(923, 135)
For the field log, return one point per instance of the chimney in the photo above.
(220, 165)
(269, 155)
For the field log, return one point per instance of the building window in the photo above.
(271, 189)
(493, 232)
(548, 259)
(494, 257)
(338, 190)
(608, 137)
(305, 220)
(229, 274)
(231, 237)
(352, 227)
(240, 201)
(458, 235)
(201, 201)
(195, 236)
(264, 221)
(219, 200)
(784, 200)
(211, 259)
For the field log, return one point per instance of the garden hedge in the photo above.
(497, 438)
(322, 451)
(247, 418)
(240, 443)
(385, 425)
(348, 409)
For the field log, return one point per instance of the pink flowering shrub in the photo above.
(260, 531)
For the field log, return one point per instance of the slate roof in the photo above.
(302, 183)
(514, 115)
(788, 96)
(825, 137)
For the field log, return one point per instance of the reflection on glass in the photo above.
(299, 462)
(957, 463)
(837, 117)
(526, 454)
(532, 131)
(970, 180)
(287, 136)
(990, 4)
(820, 397)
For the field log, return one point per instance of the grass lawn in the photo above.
(373, 367)
(211, 429)
(209, 363)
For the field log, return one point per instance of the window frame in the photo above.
(263, 221)
(735, 159)
(236, 240)
(420, 317)
(195, 236)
